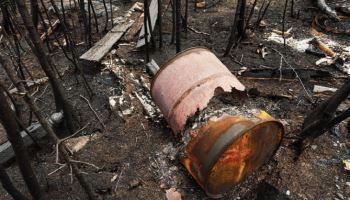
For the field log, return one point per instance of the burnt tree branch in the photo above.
(8, 120)
(45, 124)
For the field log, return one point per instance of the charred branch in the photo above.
(322, 119)
(8, 186)
(8, 120)
(322, 5)
(178, 25)
(45, 124)
(44, 59)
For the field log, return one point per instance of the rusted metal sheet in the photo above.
(187, 82)
(222, 153)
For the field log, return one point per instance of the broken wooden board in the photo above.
(102, 47)
(132, 32)
(6, 151)
(153, 12)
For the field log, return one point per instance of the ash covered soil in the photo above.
(136, 156)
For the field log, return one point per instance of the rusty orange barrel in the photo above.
(187, 82)
(220, 153)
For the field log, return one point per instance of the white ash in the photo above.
(142, 93)
(122, 104)
(216, 109)
(164, 166)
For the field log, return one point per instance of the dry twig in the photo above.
(296, 74)
(95, 113)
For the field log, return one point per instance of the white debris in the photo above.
(123, 105)
(114, 178)
(326, 61)
(288, 192)
(150, 110)
(299, 45)
(320, 89)
(342, 62)
(113, 102)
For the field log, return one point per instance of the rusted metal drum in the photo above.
(187, 82)
(222, 153)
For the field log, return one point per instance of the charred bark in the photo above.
(71, 44)
(45, 124)
(173, 15)
(160, 23)
(6, 21)
(233, 35)
(178, 25)
(83, 17)
(145, 24)
(240, 23)
(106, 11)
(35, 12)
(322, 119)
(322, 5)
(8, 120)
(44, 59)
(8, 186)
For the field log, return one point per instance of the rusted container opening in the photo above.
(229, 143)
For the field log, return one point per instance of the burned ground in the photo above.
(136, 155)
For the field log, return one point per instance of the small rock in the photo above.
(348, 184)
(340, 195)
(114, 178)
(314, 147)
(338, 187)
(288, 192)
(134, 183)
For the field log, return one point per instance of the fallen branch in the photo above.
(95, 113)
(6, 64)
(59, 142)
(30, 83)
(50, 30)
(321, 119)
(198, 32)
(321, 4)
(297, 75)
